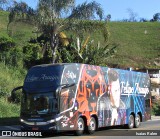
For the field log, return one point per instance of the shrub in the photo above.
(156, 108)
(6, 43)
(32, 54)
(13, 57)
(86, 52)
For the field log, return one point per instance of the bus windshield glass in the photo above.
(39, 103)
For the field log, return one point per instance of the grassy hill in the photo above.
(21, 32)
(3, 21)
(138, 47)
(138, 42)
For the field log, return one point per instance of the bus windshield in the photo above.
(39, 103)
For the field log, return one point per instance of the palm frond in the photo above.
(87, 11)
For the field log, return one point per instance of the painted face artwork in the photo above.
(115, 93)
(114, 88)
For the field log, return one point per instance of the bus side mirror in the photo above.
(15, 96)
(58, 90)
(67, 85)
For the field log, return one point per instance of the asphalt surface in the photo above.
(148, 127)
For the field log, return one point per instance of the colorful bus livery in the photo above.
(78, 97)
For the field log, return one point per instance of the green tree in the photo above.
(51, 23)
(108, 18)
(156, 17)
(132, 15)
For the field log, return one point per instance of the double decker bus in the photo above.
(81, 97)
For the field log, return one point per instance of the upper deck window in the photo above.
(43, 77)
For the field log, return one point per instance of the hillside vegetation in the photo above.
(20, 31)
(138, 47)
(138, 42)
(10, 77)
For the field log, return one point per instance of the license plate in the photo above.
(34, 128)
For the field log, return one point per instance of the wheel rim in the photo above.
(131, 121)
(80, 125)
(92, 125)
(137, 121)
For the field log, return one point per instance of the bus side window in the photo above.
(147, 103)
(81, 86)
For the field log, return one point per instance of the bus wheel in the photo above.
(130, 122)
(137, 121)
(92, 126)
(80, 127)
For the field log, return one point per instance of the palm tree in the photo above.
(55, 16)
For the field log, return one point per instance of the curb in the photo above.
(155, 118)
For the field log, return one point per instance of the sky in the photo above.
(118, 9)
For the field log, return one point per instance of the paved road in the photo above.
(147, 130)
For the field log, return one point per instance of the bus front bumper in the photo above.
(39, 126)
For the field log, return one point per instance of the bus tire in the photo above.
(130, 122)
(92, 126)
(80, 127)
(137, 121)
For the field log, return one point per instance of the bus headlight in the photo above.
(26, 122)
(51, 121)
(59, 118)
(55, 120)
(21, 120)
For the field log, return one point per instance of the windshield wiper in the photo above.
(67, 85)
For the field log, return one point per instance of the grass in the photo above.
(10, 77)
(138, 43)
(8, 109)
(9, 113)
(21, 32)
(3, 21)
